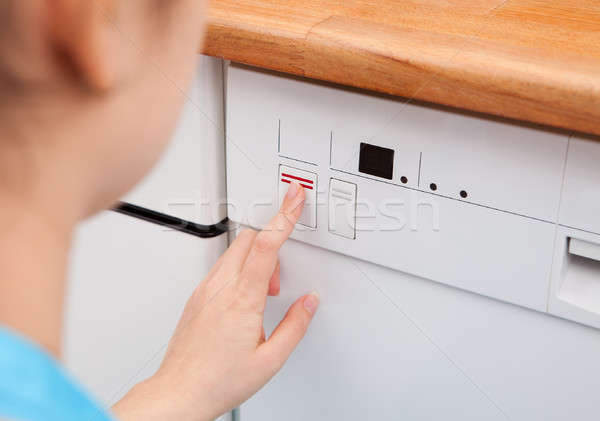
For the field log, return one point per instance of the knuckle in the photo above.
(263, 243)
(286, 220)
(245, 299)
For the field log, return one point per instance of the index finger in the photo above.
(262, 258)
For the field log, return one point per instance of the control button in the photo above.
(306, 179)
(342, 208)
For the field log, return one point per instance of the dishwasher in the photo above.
(456, 255)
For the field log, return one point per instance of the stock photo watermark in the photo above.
(413, 211)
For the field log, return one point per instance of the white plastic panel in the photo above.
(494, 253)
(515, 168)
(580, 206)
(294, 130)
(488, 251)
(129, 281)
(389, 346)
(196, 153)
(505, 166)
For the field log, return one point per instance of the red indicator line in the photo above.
(296, 178)
(303, 185)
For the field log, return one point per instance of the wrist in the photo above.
(155, 399)
(139, 403)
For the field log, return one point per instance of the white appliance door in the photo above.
(390, 346)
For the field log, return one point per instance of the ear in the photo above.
(83, 38)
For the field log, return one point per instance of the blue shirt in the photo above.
(33, 387)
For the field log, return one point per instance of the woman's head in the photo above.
(90, 91)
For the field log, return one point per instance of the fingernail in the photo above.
(292, 190)
(311, 302)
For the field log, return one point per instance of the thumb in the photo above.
(289, 331)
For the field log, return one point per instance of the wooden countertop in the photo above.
(533, 60)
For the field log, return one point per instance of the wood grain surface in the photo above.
(532, 60)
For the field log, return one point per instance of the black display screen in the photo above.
(375, 160)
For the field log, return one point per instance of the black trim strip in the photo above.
(178, 224)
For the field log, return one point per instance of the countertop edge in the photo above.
(330, 52)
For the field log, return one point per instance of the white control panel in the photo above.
(454, 197)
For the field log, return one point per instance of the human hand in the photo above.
(219, 356)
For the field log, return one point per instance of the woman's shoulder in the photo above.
(34, 387)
